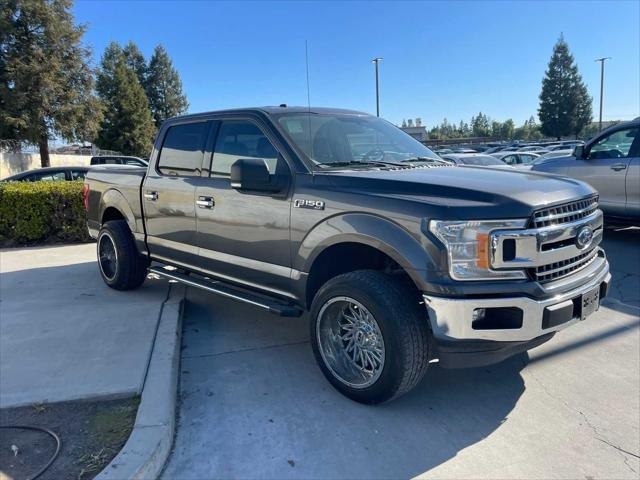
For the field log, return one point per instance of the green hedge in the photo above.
(42, 212)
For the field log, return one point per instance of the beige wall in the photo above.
(12, 163)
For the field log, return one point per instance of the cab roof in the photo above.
(276, 110)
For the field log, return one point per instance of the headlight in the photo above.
(468, 246)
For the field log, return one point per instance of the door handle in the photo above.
(618, 166)
(151, 196)
(205, 202)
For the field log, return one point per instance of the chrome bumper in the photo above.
(451, 318)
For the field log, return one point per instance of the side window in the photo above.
(78, 174)
(616, 145)
(242, 139)
(47, 177)
(510, 159)
(182, 150)
(527, 158)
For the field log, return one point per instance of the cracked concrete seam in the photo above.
(597, 435)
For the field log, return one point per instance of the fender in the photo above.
(372, 230)
(113, 198)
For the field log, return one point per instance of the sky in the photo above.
(440, 59)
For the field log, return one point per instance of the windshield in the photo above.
(339, 138)
(482, 160)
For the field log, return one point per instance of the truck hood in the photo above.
(482, 189)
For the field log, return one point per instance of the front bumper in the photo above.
(451, 318)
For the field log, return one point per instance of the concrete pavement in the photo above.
(253, 404)
(64, 334)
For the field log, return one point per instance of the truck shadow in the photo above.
(258, 400)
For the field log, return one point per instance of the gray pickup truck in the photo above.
(400, 258)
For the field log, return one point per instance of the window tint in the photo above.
(181, 152)
(616, 145)
(78, 174)
(46, 176)
(133, 161)
(242, 139)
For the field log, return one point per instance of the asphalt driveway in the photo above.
(253, 404)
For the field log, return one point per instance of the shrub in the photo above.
(42, 212)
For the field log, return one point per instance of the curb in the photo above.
(150, 442)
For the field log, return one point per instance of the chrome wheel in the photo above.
(350, 342)
(107, 256)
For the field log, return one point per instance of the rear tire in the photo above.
(121, 265)
(369, 337)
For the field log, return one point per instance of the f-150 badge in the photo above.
(312, 204)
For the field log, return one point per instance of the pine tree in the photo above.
(135, 60)
(127, 126)
(46, 84)
(565, 104)
(508, 128)
(164, 88)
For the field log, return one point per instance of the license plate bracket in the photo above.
(590, 302)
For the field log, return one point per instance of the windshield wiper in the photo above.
(424, 159)
(366, 163)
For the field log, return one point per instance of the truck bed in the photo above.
(115, 186)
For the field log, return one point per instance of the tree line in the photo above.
(48, 88)
(564, 110)
(482, 125)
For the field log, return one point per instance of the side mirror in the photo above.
(578, 152)
(252, 174)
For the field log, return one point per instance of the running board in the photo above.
(230, 291)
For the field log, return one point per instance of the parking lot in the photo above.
(253, 404)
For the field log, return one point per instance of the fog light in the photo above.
(497, 318)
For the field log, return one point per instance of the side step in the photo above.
(271, 305)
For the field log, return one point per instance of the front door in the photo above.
(605, 168)
(168, 194)
(244, 236)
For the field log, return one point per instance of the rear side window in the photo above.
(182, 150)
(55, 176)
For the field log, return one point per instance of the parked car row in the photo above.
(69, 173)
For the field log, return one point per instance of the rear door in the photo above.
(605, 168)
(168, 193)
(244, 236)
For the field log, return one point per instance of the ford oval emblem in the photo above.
(584, 237)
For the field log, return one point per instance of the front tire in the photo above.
(120, 264)
(369, 337)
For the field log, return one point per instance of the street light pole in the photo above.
(376, 61)
(601, 60)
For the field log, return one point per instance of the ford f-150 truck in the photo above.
(400, 257)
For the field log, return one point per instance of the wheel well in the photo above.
(348, 257)
(112, 213)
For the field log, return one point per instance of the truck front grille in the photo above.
(565, 213)
(556, 217)
(553, 271)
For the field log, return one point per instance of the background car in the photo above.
(478, 159)
(516, 159)
(533, 149)
(610, 163)
(119, 160)
(49, 174)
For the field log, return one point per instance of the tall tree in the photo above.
(480, 125)
(508, 128)
(164, 88)
(565, 104)
(46, 84)
(127, 126)
(135, 60)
